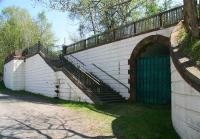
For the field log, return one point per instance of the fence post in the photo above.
(97, 39)
(161, 20)
(134, 24)
(114, 34)
(74, 47)
(85, 44)
(39, 46)
(64, 50)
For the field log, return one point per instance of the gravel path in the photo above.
(28, 117)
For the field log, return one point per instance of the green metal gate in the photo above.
(153, 83)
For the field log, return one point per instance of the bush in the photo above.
(2, 86)
(195, 50)
(191, 46)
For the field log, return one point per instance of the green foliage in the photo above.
(2, 86)
(194, 50)
(46, 35)
(152, 7)
(98, 16)
(191, 46)
(166, 5)
(18, 30)
(183, 36)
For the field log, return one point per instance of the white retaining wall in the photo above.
(14, 75)
(39, 77)
(113, 58)
(185, 107)
(36, 76)
(69, 90)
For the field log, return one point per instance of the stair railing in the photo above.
(81, 76)
(74, 59)
(30, 51)
(84, 77)
(111, 76)
(51, 56)
(80, 65)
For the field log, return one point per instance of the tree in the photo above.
(99, 15)
(166, 5)
(151, 7)
(18, 30)
(15, 30)
(190, 17)
(96, 16)
(46, 36)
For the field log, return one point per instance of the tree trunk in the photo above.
(92, 21)
(191, 18)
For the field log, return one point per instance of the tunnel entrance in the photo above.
(153, 82)
(150, 78)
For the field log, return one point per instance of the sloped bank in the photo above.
(34, 74)
(185, 90)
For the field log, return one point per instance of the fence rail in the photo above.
(151, 23)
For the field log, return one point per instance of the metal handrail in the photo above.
(110, 76)
(88, 75)
(77, 60)
(84, 77)
(84, 69)
(92, 77)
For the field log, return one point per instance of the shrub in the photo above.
(191, 46)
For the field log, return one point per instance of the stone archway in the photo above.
(138, 50)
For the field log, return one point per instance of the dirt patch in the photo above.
(36, 119)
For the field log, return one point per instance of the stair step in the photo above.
(108, 93)
(105, 93)
(114, 101)
(110, 96)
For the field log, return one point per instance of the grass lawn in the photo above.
(126, 121)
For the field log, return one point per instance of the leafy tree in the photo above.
(96, 16)
(151, 7)
(166, 5)
(15, 30)
(18, 30)
(46, 35)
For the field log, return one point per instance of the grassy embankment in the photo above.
(191, 46)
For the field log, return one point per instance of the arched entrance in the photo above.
(150, 75)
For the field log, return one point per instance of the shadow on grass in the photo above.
(133, 121)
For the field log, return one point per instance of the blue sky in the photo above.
(62, 26)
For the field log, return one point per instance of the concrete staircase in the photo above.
(102, 91)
